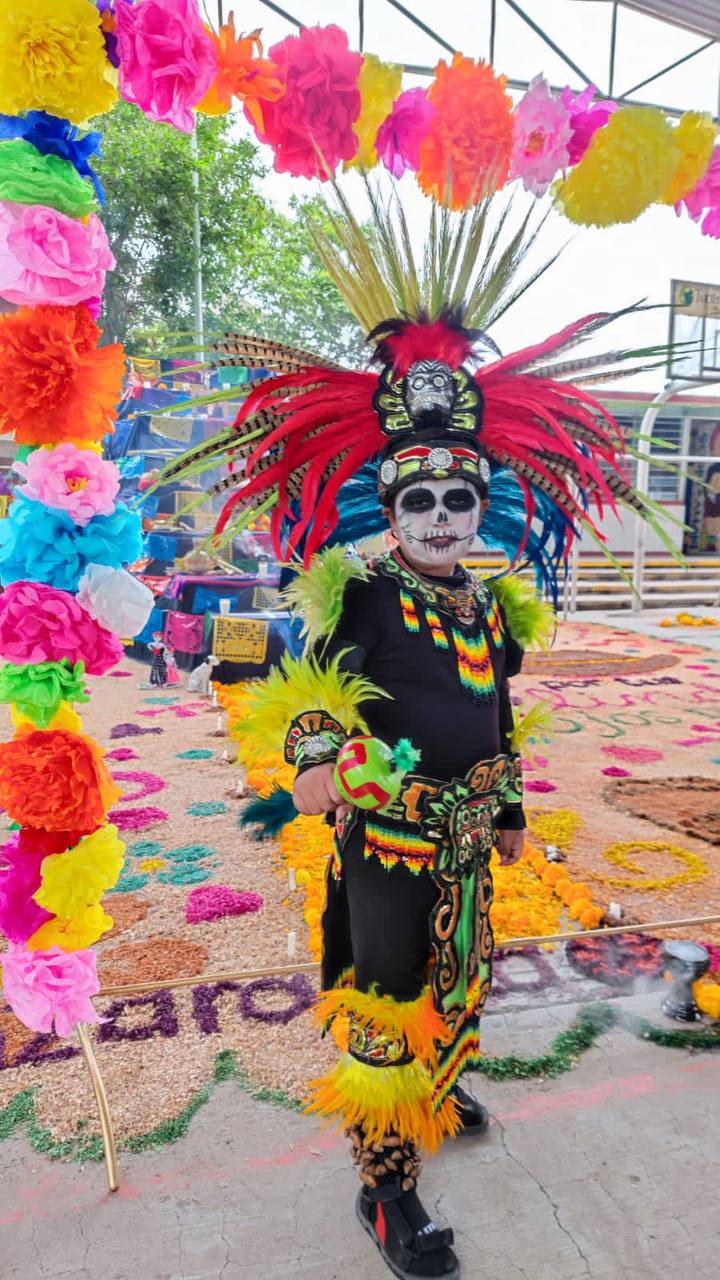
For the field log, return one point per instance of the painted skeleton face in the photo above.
(429, 388)
(435, 522)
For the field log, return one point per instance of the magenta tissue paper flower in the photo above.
(400, 135)
(541, 133)
(167, 59)
(586, 117)
(46, 987)
(75, 480)
(42, 624)
(46, 257)
(20, 878)
(703, 202)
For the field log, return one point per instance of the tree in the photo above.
(260, 272)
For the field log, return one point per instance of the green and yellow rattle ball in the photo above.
(370, 774)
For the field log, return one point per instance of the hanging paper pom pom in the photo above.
(627, 166)
(51, 136)
(20, 877)
(55, 780)
(52, 56)
(38, 689)
(466, 154)
(695, 136)
(39, 624)
(401, 134)
(242, 73)
(27, 177)
(56, 383)
(379, 84)
(48, 257)
(586, 116)
(79, 877)
(703, 202)
(541, 135)
(64, 718)
(167, 59)
(38, 542)
(115, 599)
(83, 930)
(50, 988)
(73, 480)
(310, 128)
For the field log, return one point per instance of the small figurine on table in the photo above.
(173, 675)
(159, 664)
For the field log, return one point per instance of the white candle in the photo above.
(291, 879)
(291, 944)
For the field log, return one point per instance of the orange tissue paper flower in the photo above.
(56, 383)
(466, 153)
(56, 780)
(242, 72)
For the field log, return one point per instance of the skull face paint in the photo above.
(435, 523)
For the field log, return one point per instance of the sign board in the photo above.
(241, 640)
(694, 337)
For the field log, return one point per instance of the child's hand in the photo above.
(510, 845)
(315, 791)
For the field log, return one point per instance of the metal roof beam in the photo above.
(670, 67)
(418, 22)
(545, 38)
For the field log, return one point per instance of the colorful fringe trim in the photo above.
(384, 1100)
(474, 665)
(409, 613)
(393, 847)
(494, 624)
(463, 1055)
(437, 630)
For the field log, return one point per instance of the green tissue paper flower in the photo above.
(28, 177)
(37, 689)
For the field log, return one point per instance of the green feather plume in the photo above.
(316, 595)
(530, 619)
(298, 685)
(537, 723)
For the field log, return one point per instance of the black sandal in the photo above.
(474, 1117)
(420, 1252)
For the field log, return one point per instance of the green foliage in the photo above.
(260, 272)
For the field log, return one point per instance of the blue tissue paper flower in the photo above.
(51, 135)
(42, 544)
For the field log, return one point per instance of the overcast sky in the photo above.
(598, 270)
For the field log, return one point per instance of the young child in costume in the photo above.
(414, 650)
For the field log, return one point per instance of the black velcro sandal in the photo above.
(411, 1245)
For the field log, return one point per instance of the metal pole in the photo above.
(197, 241)
(613, 44)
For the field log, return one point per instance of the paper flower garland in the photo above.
(72, 480)
(47, 989)
(703, 202)
(28, 177)
(694, 136)
(466, 154)
(56, 383)
(42, 543)
(379, 85)
(48, 257)
(115, 599)
(20, 878)
(78, 878)
(37, 690)
(52, 56)
(81, 931)
(242, 73)
(541, 137)
(54, 137)
(401, 133)
(167, 59)
(39, 624)
(310, 128)
(55, 780)
(586, 117)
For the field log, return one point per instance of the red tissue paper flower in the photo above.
(466, 153)
(310, 128)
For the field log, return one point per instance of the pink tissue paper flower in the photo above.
(401, 133)
(167, 59)
(310, 128)
(20, 878)
(541, 133)
(586, 117)
(46, 987)
(42, 624)
(74, 480)
(703, 202)
(213, 901)
(46, 257)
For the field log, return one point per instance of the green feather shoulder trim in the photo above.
(530, 619)
(316, 595)
(298, 685)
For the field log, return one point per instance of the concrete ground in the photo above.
(607, 1173)
(647, 623)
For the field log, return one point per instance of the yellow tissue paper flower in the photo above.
(379, 84)
(695, 137)
(628, 165)
(52, 58)
(65, 718)
(82, 931)
(79, 877)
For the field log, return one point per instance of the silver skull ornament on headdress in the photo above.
(429, 387)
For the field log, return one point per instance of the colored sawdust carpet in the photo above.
(198, 896)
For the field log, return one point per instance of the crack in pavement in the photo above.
(555, 1208)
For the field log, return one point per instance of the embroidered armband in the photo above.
(313, 738)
